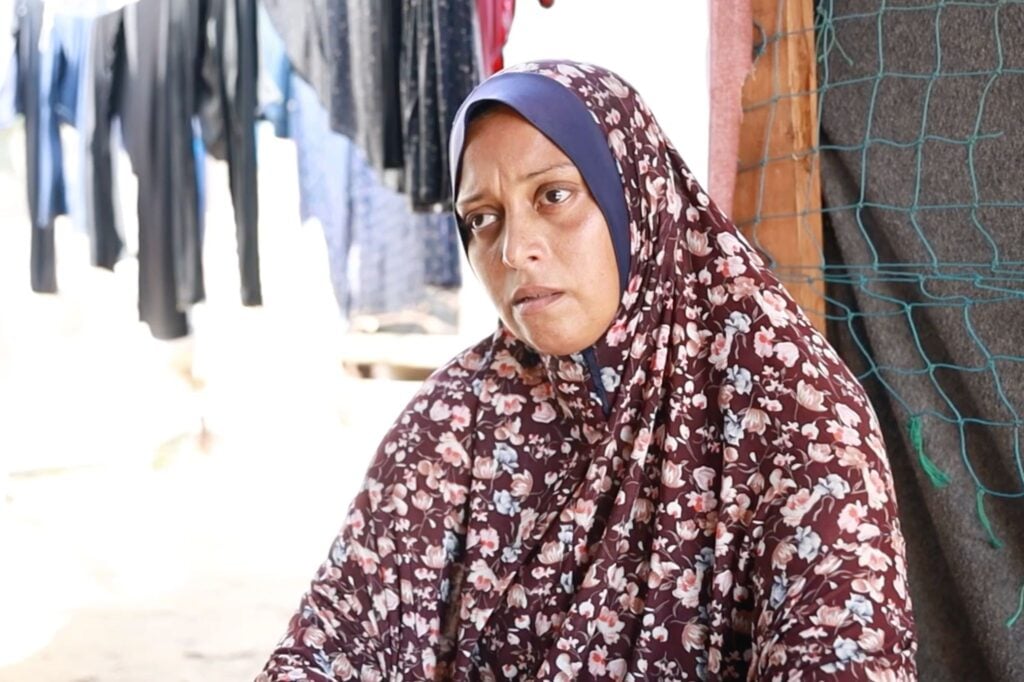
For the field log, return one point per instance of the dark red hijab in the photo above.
(704, 494)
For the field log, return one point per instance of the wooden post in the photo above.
(777, 202)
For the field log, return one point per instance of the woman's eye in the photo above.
(480, 221)
(556, 196)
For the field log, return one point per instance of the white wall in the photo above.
(660, 46)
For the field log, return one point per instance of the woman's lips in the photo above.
(528, 300)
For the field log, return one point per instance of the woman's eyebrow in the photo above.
(548, 169)
(470, 199)
(464, 200)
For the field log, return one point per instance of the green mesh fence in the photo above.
(921, 156)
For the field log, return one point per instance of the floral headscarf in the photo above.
(704, 494)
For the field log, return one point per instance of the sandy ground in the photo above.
(184, 566)
(163, 506)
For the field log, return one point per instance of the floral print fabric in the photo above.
(731, 516)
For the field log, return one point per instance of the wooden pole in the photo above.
(777, 202)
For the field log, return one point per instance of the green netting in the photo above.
(922, 168)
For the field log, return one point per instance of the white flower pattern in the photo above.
(732, 517)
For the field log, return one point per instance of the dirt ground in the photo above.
(185, 567)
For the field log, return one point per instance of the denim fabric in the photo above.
(382, 255)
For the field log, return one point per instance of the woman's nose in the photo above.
(523, 240)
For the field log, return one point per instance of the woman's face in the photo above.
(538, 240)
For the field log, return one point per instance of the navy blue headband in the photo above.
(557, 112)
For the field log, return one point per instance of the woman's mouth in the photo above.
(532, 299)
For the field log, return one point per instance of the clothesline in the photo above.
(173, 83)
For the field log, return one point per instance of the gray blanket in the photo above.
(923, 182)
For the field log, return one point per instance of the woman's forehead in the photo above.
(504, 138)
(507, 151)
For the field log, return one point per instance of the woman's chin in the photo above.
(548, 344)
(552, 336)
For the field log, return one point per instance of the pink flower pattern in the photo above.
(732, 517)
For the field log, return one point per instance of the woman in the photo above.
(655, 469)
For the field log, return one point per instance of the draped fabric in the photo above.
(57, 85)
(495, 20)
(229, 110)
(156, 103)
(702, 494)
(383, 257)
(438, 69)
(925, 168)
(43, 160)
(305, 31)
(391, 74)
(729, 61)
(106, 52)
(156, 67)
(365, 104)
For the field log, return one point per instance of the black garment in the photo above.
(348, 51)
(102, 82)
(365, 49)
(439, 69)
(157, 65)
(42, 265)
(229, 109)
(158, 100)
(933, 202)
(339, 98)
(396, 72)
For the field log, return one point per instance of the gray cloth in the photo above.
(228, 109)
(439, 68)
(101, 86)
(922, 181)
(365, 106)
(156, 65)
(304, 28)
(42, 141)
(391, 74)
(158, 100)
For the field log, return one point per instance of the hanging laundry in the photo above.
(70, 40)
(56, 88)
(439, 69)
(365, 97)
(384, 259)
(229, 105)
(99, 105)
(156, 105)
(51, 76)
(495, 20)
(391, 74)
(159, 67)
(42, 138)
(323, 166)
(274, 77)
(302, 28)
(397, 255)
